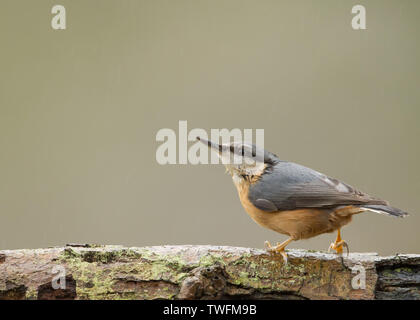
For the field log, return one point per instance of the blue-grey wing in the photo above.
(289, 186)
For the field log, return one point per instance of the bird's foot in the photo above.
(338, 247)
(278, 249)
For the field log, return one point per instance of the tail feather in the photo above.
(383, 209)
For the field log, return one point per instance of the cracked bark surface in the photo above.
(203, 272)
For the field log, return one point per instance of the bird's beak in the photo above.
(215, 146)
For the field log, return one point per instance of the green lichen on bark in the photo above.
(201, 272)
(118, 273)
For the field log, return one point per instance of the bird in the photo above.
(292, 199)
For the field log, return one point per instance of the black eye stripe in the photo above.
(253, 151)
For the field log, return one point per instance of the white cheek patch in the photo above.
(256, 170)
(236, 179)
(225, 157)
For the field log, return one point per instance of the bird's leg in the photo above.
(279, 248)
(339, 244)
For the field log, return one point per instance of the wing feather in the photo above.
(289, 186)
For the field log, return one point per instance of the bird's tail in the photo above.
(387, 210)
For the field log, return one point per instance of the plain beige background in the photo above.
(80, 109)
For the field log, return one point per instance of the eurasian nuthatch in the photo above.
(292, 199)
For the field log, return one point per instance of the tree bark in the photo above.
(203, 272)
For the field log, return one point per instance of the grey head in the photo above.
(242, 159)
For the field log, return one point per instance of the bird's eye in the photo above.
(254, 151)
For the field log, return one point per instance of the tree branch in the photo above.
(203, 272)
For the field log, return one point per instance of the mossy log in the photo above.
(203, 272)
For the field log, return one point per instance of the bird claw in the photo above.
(347, 247)
(338, 247)
(270, 248)
(276, 250)
(284, 255)
(267, 246)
